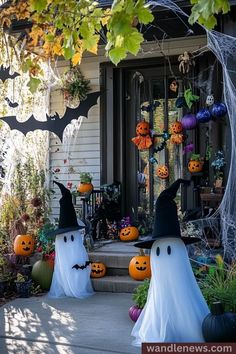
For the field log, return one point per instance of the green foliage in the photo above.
(195, 157)
(141, 293)
(123, 37)
(85, 177)
(220, 285)
(20, 278)
(204, 11)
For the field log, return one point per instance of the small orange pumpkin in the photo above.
(139, 267)
(162, 172)
(23, 245)
(177, 138)
(195, 166)
(176, 127)
(98, 270)
(85, 187)
(129, 233)
(143, 128)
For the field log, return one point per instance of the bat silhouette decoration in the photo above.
(76, 266)
(54, 123)
(11, 104)
(5, 73)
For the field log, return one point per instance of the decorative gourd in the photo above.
(139, 267)
(162, 172)
(219, 326)
(195, 164)
(98, 269)
(134, 312)
(204, 115)
(189, 121)
(143, 128)
(129, 233)
(42, 274)
(176, 127)
(219, 110)
(23, 245)
(177, 139)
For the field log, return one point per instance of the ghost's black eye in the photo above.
(65, 239)
(158, 251)
(169, 250)
(72, 238)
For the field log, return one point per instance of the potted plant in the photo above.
(218, 165)
(85, 185)
(74, 86)
(23, 285)
(196, 163)
(140, 298)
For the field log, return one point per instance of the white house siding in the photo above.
(85, 153)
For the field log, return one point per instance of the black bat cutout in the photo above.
(54, 123)
(5, 73)
(76, 266)
(11, 104)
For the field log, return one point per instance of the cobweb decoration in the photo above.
(223, 221)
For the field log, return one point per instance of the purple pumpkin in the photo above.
(203, 116)
(219, 110)
(134, 312)
(189, 121)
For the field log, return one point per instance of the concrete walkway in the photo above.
(39, 325)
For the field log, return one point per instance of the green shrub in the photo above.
(140, 294)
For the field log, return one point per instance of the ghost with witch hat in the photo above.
(71, 275)
(175, 307)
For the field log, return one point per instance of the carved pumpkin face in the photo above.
(23, 245)
(139, 267)
(176, 127)
(177, 138)
(129, 233)
(142, 128)
(195, 166)
(162, 172)
(98, 270)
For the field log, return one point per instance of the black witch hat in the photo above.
(166, 223)
(67, 218)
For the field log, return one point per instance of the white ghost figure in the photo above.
(68, 278)
(175, 307)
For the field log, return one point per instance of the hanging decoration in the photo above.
(165, 136)
(54, 123)
(210, 100)
(143, 139)
(176, 127)
(162, 172)
(177, 139)
(190, 98)
(150, 107)
(188, 148)
(174, 86)
(204, 115)
(180, 102)
(5, 73)
(189, 121)
(218, 110)
(186, 61)
(195, 164)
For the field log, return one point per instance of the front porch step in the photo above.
(112, 260)
(115, 284)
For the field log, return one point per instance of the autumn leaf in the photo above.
(76, 59)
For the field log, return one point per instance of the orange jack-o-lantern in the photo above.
(98, 270)
(195, 166)
(139, 267)
(177, 138)
(129, 233)
(162, 172)
(23, 245)
(143, 128)
(176, 127)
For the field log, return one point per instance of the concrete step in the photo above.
(112, 260)
(117, 271)
(115, 284)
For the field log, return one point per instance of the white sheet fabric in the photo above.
(175, 306)
(68, 281)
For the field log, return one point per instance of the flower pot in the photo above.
(3, 287)
(85, 187)
(23, 288)
(134, 312)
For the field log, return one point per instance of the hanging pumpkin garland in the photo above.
(143, 139)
